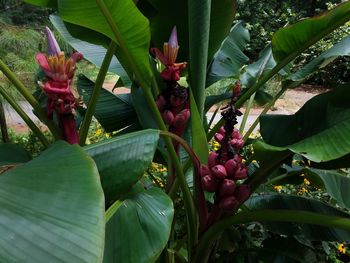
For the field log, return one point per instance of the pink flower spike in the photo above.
(159, 55)
(52, 46)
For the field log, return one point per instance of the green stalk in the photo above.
(293, 216)
(30, 98)
(96, 93)
(246, 113)
(3, 125)
(266, 109)
(112, 209)
(187, 197)
(25, 117)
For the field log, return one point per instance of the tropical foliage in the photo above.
(101, 202)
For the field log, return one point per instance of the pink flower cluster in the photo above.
(225, 167)
(59, 73)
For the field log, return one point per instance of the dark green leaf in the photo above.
(319, 130)
(45, 3)
(140, 228)
(230, 58)
(121, 161)
(295, 38)
(52, 209)
(113, 111)
(164, 15)
(12, 154)
(288, 202)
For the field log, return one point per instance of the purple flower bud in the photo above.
(173, 38)
(52, 46)
(209, 183)
(203, 170)
(181, 118)
(228, 203)
(213, 159)
(218, 137)
(161, 102)
(242, 193)
(227, 187)
(231, 167)
(219, 171)
(168, 117)
(241, 173)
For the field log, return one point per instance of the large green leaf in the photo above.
(340, 49)
(320, 130)
(198, 27)
(113, 111)
(140, 228)
(294, 38)
(132, 34)
(288, 202)
(52, 209)
(230, 58)
(164, 15)
(46, 3)
(121, 161)
(93, 53)
(12, 154)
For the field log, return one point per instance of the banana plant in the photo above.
(94, 203)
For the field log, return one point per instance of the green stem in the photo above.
(266, 109)
(25, 117)
(214, 115)
(112, 209)
(96, 92)
(30, 98)
(3, 125)
(187, 197)
(294, 216)
(246, 113)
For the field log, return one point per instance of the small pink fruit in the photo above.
(203, 170)
(218, 137)
(209, 183)
(238, 158)
(231, 167)
(236, 135)
(213, 159)
(161, 102)
(228, 203)
(219, 171)
(222, 130)
(241, 173)
(176, 101)
(237, 143)
(168, 117)
(181, 118)
(242, 193)
(227, 187)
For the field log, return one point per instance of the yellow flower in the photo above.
(306, 181)
(278, 188)
(302, 190)
(98, 132)
(216, 145)
(342, 248)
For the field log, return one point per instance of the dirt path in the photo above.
(288, 104)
